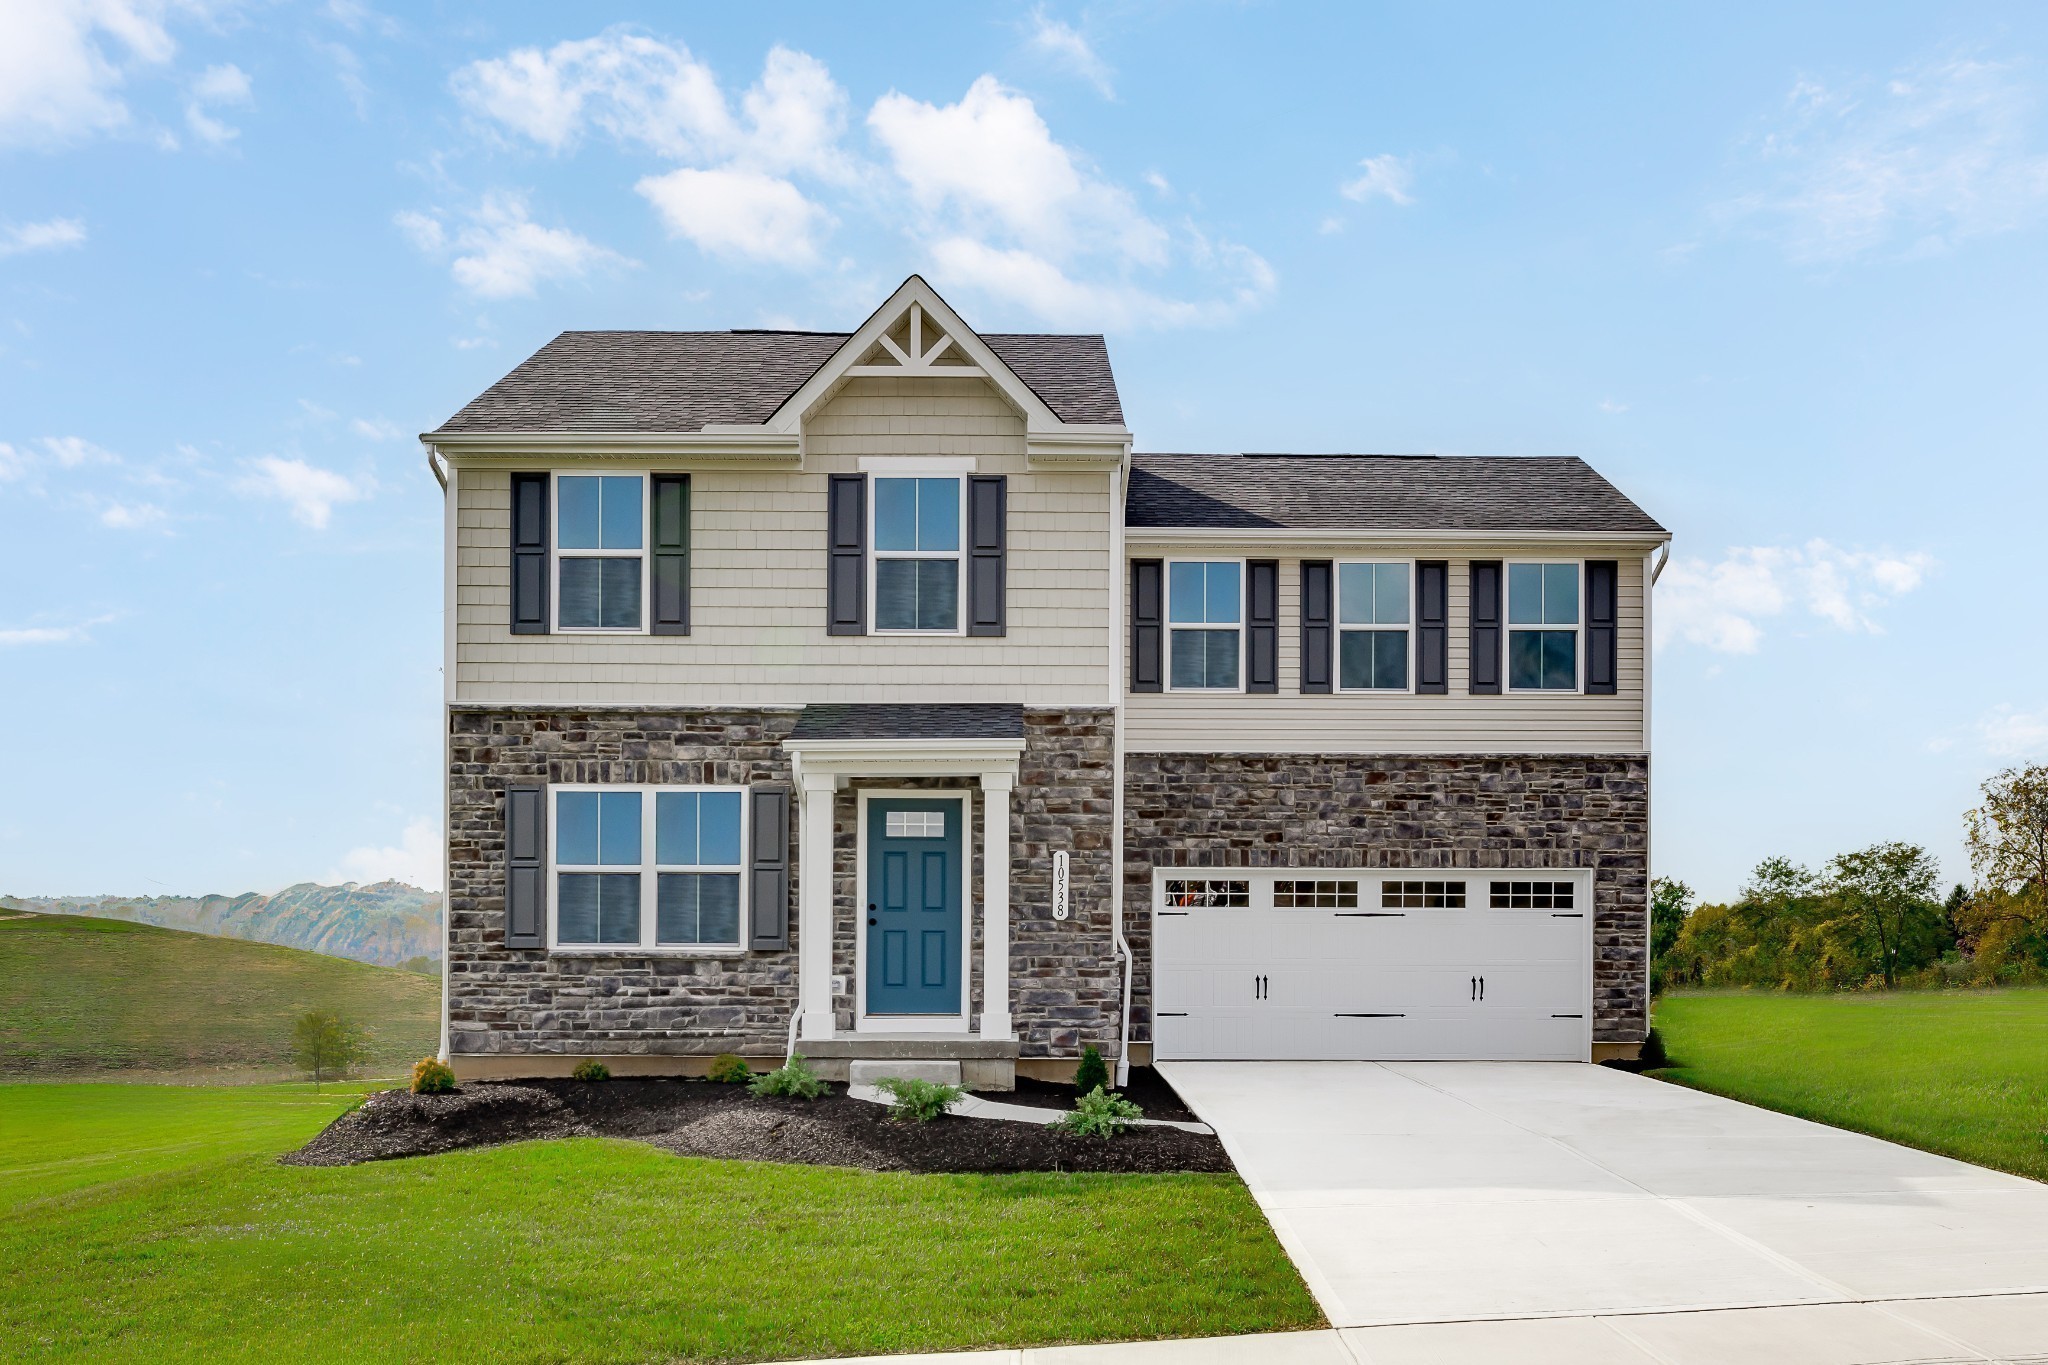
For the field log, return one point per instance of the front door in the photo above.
(913, 906)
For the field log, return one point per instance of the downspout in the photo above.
(1116, 801)
(1650, 791)
(449, 519)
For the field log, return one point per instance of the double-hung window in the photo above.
(1543, 627)
(1205, 618)
(1374, 603)
(647, 867)
(917, 554)
(600, 554)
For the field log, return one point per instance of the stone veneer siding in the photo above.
(1313, 811)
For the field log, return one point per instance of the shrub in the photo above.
(591, 1069)
(793, 1079)
(727, 1069)
(915, 1101)
(1100, 1114)
(1652, 1055)
(432, 1076)
(1092, 1073)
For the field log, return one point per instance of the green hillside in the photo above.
(91, 997)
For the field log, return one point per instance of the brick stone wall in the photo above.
(1305, 810)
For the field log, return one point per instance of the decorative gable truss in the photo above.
(915, 349)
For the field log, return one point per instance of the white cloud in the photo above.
(138, 516)
(311, 492)
(72, 451)
(423, 231)
(1719, 605)
(1386, 176)
(738, 213)
(63, 62)
(52, 234)
(1612, 408)
(2009, 733)
(1065, 47)
(217, 87)
(376, 429)
(14, 462)
(1914, 164)
(52, 635)
(502, 253)
(416, 859)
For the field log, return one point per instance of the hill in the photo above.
(82, 997)
(383, 922)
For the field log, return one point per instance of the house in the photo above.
(864, 693)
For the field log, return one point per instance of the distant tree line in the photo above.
(1875, 918)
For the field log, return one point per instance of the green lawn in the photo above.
(1963, 1073)
(151, 1224)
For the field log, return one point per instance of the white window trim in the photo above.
(1243, 628)
(1337, 606)
(556, 554)
(922, 469)
(1508, 629)
(649, 871)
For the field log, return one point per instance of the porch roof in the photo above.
(891, 720)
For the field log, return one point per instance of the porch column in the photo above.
(814, 906)
(995, 902)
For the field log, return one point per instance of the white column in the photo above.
(814, 906)
(995, 903)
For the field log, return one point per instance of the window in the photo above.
(1210, 598)
(1208, 895)
(1319, 895)
(1543, 627)
(917, 555)
(600, 530)
(914, 824)
(1372, 627)
(1532, 896)
(647, 867)
(1422, 895)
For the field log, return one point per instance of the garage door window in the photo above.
(1532, 896)
(1422, 895)
(1315, 895)
(1206, 894)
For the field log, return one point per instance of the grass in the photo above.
(178, 1238)
(1962, 1073)
(87, 997)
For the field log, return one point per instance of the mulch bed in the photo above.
(1147, 1089)
(698, 1118)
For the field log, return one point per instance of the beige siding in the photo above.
(1354, 723)
(758, 580)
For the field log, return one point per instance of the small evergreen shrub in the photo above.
(432, 1076)
(727, 1069)
(1092, 1073)
(1653, 1055)
(794, 1079)
(1100, 1114)
(915, 1101)
(591, 1069)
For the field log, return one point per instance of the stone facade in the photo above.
(1310, 811)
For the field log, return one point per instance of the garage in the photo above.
(1380, 965)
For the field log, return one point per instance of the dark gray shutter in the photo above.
(846, 535)
(1432, 626)
(526, 865)
(768, 866)
(671, 554)
(1262, 625)
(1603, 633)
(1148, 623)
(988, 502)
(1317, 625)
(1486, 621)
(529, 554)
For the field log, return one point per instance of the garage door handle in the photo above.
(1368, 1016)
(1475, 988)
(1171, 1014)
(1482, 988)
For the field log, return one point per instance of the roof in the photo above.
(658, 382)
(993, 720)
(1378, 493)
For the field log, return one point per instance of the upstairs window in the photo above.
(600, 560)
(917, 555)
(1205, 618)
(647, 867)
(1373, 606)
(1543, 627)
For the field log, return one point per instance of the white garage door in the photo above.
(1372, 966)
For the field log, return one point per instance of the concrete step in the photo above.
(868, 1070)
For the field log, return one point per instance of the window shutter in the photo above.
(529, 554)
(768, 867)
(671, 554)
(1432, 626)
(1262, 625)
(846, 534)
(1486, 620)
(1148, 622)
(1317, 624)
(526, 865)
(988, 502)
(1603, 634)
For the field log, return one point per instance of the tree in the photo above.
(323, 1042)
(2004, 922)
(1670, 902)
(1882, 905)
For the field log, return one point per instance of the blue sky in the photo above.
(1777, 274)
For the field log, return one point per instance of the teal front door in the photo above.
(913, 899)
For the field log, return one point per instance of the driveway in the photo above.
(1534, 1212)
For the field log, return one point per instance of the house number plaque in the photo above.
(1060, 886)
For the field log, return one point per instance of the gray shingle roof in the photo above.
(684, 381)
(947, 720)
(1377, 492)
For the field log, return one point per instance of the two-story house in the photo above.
(865, 694)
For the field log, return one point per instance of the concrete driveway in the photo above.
(1534, 1212)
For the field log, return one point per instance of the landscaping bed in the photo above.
(1147, 1089)
(699, 1118)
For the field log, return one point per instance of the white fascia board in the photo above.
(906, 757)
(1289, 535)
(728, 445)
(1079, 446)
